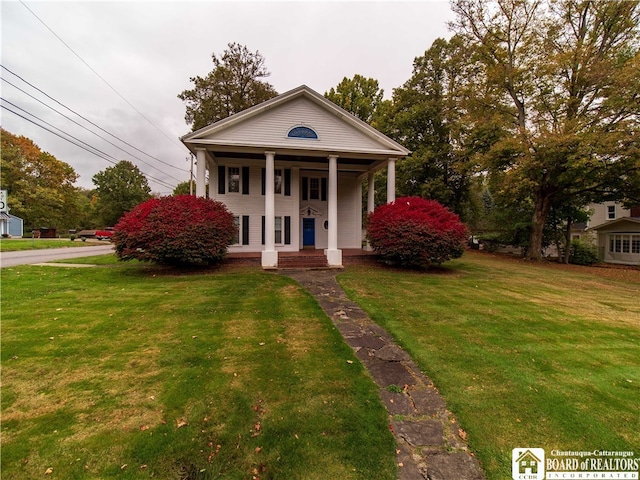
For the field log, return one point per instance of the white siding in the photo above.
(271, 128)
(600, 212)
(349, 207)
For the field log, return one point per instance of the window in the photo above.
(302, 132)
(314, 189)
(624, 243)
(234, 180)
(611, 212)
(278, 180)
(236, 233)
(278, 229)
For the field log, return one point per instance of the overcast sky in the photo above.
(147, 51)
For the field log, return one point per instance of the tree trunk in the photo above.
(542, 206)
(567, 241)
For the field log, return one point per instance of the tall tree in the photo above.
(235, 84)
(430, 116)
(40, 187)
(358, 95)
(563, 78)
(119, 189)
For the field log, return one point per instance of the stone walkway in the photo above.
(430, 444)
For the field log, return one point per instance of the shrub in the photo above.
(583, 253)
(175, 230)
(415, 232)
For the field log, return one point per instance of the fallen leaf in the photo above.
(258, 449)
(48, 471)
(462, 433)
(349, 362)
(123, 466)
(144, 427)
(182, 423)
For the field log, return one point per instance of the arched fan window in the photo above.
(302, 132)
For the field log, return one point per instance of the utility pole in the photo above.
(190, 174)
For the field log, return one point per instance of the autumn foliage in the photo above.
(180, 230)
(414, 232)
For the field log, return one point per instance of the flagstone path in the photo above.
(430, 444)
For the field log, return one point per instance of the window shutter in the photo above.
(222, 179)
(287, 182)
(323, 193)
(245, 180)
(287, 230)
(245, 229)
(305, 188)
(264, 181)
(263, 224)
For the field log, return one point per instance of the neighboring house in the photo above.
(11, 225)
(291, 170)
(618, 232)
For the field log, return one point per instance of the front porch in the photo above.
(306, 258)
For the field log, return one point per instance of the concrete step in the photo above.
(310, 261)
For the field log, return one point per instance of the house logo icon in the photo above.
(527, 463)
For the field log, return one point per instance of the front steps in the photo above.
(302, 262)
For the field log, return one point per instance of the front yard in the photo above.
(126, 371)
(525, 355)
(131, 371)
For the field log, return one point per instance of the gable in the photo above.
(298, 122)
(271, 127)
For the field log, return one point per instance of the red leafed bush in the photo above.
(414, 232)
(180, 230)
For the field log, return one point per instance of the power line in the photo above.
(84, 118)
(157, 180)
(100, 77)
(82, 126)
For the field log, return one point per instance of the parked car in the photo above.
(105, 234)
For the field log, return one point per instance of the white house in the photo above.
(291, 170)
(618, 232)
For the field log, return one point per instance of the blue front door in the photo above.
(308, 232)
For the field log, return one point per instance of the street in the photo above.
(11, 259)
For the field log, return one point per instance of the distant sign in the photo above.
(3, 201)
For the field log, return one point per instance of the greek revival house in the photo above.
(291, 170)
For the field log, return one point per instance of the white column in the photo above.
(213, 177)
(391, 180)
(201, 173)
(371, 198)
(371, 192)
(269, 254)
(334, 256)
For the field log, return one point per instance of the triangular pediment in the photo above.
(269, 126)
(309, 211)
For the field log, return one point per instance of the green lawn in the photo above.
(14, 244)
(136, 372)
(525, 355)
